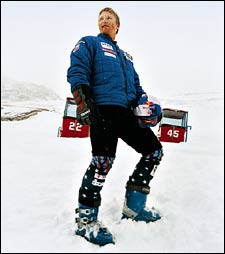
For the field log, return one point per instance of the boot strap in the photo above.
(142, 189)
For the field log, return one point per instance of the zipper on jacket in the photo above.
(123, 68)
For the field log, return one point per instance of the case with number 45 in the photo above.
(173, 126)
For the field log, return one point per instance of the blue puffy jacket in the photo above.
(97, 61)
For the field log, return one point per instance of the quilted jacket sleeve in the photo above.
(80, 68)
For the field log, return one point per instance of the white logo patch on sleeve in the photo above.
(77, 46)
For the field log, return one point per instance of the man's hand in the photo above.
(87, 111)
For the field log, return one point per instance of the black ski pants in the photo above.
(119, 122)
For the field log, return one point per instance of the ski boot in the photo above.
(90, 228)
(134, 207)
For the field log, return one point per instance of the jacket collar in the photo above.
(107, 37)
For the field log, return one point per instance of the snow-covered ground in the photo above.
(41, 175)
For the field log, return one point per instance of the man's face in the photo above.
(107, 24)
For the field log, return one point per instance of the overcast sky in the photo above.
(176, 46)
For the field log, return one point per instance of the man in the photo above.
(107, 89)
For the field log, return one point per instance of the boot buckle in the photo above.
(82, 220)
(85, 211)
(128, 212)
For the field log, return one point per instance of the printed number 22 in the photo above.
(75, 126)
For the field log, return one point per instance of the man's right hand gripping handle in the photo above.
(87, 111)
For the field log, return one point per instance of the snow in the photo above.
(41, 175)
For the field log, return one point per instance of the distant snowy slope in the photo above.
(18, 97)
(25, 91)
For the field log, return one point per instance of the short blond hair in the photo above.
(110, 10)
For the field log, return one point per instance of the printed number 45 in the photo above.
(174, 134)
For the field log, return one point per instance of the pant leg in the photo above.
(104, 137)
(143, 140)
(104, 142)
